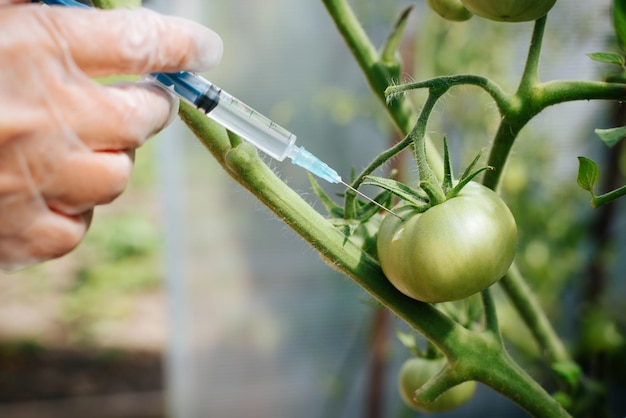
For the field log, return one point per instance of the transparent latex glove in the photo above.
(67, 142)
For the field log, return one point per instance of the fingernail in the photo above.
(209, 48)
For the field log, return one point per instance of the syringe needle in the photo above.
(308, 161)
(370, 199)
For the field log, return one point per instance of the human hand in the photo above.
(67, 142)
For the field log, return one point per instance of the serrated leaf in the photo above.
(611, 136)
(588, 174)
(607, 58)
(368, 209)
(410, 195)
(333, 209)
(619, 21)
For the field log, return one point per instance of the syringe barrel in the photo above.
(229, 112)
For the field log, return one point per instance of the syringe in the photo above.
(234, 115)
(272, 139)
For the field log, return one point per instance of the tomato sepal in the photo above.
(364, 210)
(464, 181)
(334, 210)
(416, 198)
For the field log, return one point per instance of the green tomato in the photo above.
(450, 9)
(509, 10)
(416, 371)
(450, 251)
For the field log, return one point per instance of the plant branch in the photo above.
(530, 76)
(499, 96)
(605, 198)
(529, 308)
(508, 378)
(560, 91)
(491, 315)
(365, 54)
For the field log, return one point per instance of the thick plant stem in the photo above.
(491, 88)
(517, 111)
(376, 73)
(534, 317)
(499, 153)
(508, 378)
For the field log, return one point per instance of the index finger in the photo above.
(136, 41)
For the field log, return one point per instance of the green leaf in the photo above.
(607, 58)
(611, 136)
(333, 209)
(588, 174)
(464, 180)
(366, 210)
(569, 371)
(413, 197)
(470, 168)
(619, 21)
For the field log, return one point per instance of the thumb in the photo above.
(136, 41)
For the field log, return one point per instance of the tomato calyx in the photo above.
(362, 227)
(430, 194)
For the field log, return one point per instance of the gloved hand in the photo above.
(67, 142)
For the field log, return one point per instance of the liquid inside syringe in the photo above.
(229, 112)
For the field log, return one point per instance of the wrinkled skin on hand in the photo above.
(67, 142)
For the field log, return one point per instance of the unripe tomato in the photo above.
(450, 251)
(417, 371)
(450, 9)
(509, 10)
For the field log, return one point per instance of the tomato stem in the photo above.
(529, 308)
(428, 179)
(491, 315)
